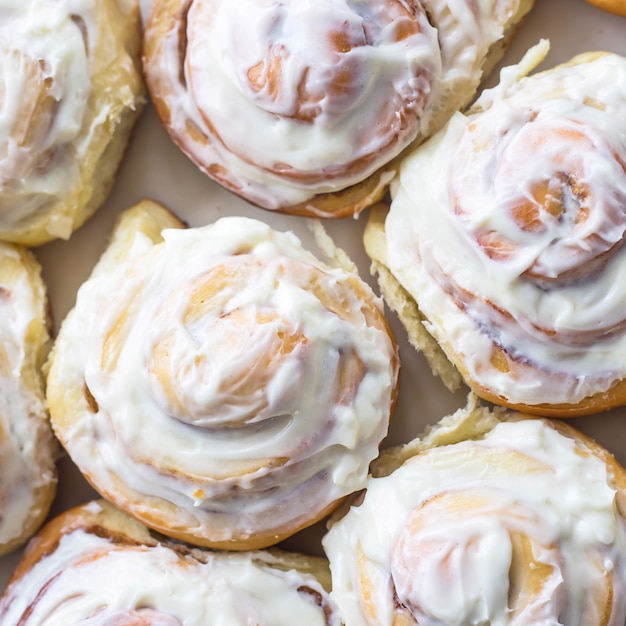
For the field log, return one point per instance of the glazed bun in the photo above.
(71, 90)
(303, 106)
(233, 390)
(492, 517)
(504, 240)
(94, 565)
(28, 449)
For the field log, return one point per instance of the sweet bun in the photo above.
(503, 244)
(71, 89)
(233, 390)
(303, 106)
(492, 517)
(95, 565)
(27, 446)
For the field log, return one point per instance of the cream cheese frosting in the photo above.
(55, 107)
(27, 451)
(233, 378)
(521, 526)
(507, 229)
(106, 580)
(339, 88)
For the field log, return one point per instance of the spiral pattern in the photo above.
(339, 88)
(93, 566)
(27, 449)
(70, 90)
(522, 526)
(530, 191)
(235, 389)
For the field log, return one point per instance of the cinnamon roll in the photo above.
(506, 230)
(94, 565)
(491, 518)
(27, 445)
(302, 106)
(70, 91)
(233, 389)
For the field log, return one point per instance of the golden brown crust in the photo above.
(242, 414)
(88, 156)
(166, 37)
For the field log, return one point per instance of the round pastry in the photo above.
(70, 91)
(27, 445)
(507, 231)
(492, 518)
(232, 391)
(94, 565)
(301, 106)
(618, 7)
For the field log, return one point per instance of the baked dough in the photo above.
(27, 446)
(303, 106)
(503, 243)
(70, 92)
(95, 565)
(233, 390)
(491, 517)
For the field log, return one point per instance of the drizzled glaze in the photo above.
(27, 472)
(236, 387)
(507, 228)
(94, 579)
(520, 527)
(338, 88)
(54, 108)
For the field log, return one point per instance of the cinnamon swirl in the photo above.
(233, 390)
(491, 518)
(70, 91)
(506, 230)
(302, 106)
(27, 446)
(94, 565)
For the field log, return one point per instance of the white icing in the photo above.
(467, 182)
(523, 478)
(370, 95)
(26, 460)
(46, 99)
(90, 580)
(239, 431)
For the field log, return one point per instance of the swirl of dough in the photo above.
(523, 525)
(70, 90)
(339, 88)
(508, 231)
(233, 391)
(92, 565)
(27, 447)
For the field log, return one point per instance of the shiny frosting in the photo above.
(99, 581)
(520, 527)
(235, 378)
(339, 88)
(48, 51)
(26, 448)
(508, 227)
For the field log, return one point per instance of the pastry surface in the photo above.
(490, 518)
(303, 106)
(507, 229)
(28, 450)
(71, 89)
(234, 390)
(94, 565)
